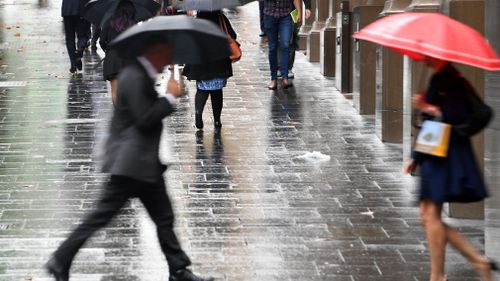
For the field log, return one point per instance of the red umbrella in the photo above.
(431, 34)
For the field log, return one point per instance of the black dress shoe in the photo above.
(79, 64)
(59, 272)
(187, 275)
(72, 69)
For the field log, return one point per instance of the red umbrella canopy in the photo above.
(431, 34)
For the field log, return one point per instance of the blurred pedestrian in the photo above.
(169, 8)
(211, 77)
(96, 33)
(279, 27)
(445, 179)
(122, 19)
(76, 31)
(261, 19)
(132, 159)
(294, 42)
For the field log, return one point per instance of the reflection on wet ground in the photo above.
(248, 207)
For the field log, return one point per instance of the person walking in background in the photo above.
(279, 25)
(294, 42)
(122, 19)
(96, 33)
(261, 19)
(132, 159)
(444, 178)
(76, 31)
(211, 77)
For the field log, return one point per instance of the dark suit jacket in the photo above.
(133, 146)
(73, 7)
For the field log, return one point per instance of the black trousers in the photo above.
(77, 33)
(261, 16)
(117, 192)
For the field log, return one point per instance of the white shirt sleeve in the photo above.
(171, 99)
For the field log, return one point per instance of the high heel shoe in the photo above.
(485, 268)
(285, 84)
(273, 85)
(493, 265)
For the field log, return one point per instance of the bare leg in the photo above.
(430, 214)
(114, 83)
(480, 262)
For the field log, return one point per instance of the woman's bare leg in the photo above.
(480, 262)
(114, 83)
(430, 214)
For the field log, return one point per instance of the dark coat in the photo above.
(216, 69)
(113, 62)
(455, 178)
(307, 3)
(73, 7)
(133, 146)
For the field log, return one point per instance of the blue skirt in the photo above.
(455, 178)
(212, 84)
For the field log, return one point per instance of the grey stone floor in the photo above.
(248, 207)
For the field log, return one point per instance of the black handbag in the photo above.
(481, 114)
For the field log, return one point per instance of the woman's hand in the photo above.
(308, 13)
(420, 104)
(409, 167)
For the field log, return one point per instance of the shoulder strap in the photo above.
(222, 23)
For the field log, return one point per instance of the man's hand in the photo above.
(174, 88)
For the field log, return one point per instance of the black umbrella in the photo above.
(98, 11)
(209, 5)
(193, 40)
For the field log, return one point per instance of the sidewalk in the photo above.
(248, 207)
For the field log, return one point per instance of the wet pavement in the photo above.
(248, 206)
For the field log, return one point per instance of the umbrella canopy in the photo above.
(193, 40)
(209, 5)
(431, 34)
(98, 11)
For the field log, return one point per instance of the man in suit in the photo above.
(74, 24)
(132, 159)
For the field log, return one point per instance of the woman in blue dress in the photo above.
(211, 77)
(455, 178)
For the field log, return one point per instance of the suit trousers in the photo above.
(77, 33)
(117, 192)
